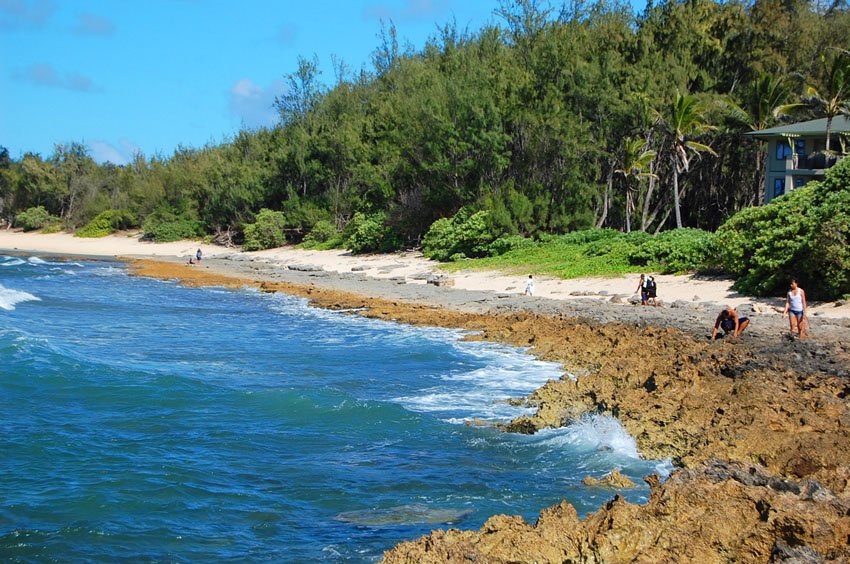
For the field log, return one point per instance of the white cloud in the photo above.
(253, 105)
(90, 24)
(103, 152)
(286, 35)
(45, 75)
(18, 14)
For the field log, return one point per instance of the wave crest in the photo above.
(10, 298)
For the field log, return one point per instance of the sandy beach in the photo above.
(413, 268)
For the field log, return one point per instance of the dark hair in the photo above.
(794, 281)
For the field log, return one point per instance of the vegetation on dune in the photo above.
(804, 234)
(499, 142)
(601, 252)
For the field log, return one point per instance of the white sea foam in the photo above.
(36, 260)
(10, 261)
(598, 432)
(9, 298)
(482, 392)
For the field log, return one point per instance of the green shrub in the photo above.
(371, 234)
(164, 226)
(267, 232)
(106, 222)
(300, 216)
(675, 251)
(804, 234)
(509, 243)
(467, 233)
(34, 218)
(322, 232)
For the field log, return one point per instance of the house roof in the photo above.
(809, 128)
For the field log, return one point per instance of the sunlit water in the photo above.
(143, 420)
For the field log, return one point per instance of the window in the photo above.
(783, 150)
(800, 181)
(778, 187)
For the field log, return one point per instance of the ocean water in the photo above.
(146, 421)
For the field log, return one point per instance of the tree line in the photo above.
(556, 118)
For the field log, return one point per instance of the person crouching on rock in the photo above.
(729, 321)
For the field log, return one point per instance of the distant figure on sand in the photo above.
(199, 255)
(644, 296)
(191, 261)
(795, 305)
(651, 289)
(529, 288)
(730, 321)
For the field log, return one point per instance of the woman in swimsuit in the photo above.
(795, 305)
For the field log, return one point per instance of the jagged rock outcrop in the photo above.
(613, 479)
(717, 512)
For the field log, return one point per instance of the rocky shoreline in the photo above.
(759, 425)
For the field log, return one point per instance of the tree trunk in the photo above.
(628, 209)
(648, 199)
(607, 199)
(828, 131)
(676, 196)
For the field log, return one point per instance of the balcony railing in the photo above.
(816, 161)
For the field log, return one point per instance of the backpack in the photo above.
(650, 286)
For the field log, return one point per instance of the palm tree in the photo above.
(685, 120)
(635, 158)
(764, 104)
(833, 96)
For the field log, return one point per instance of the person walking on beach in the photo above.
(198, 255)
(644, 297)
(795, 305)
(729, 321)
(529, 288)
(651, 290)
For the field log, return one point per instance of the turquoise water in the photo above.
(142, 420)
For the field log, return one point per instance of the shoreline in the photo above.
(756, 420)
(685, 293)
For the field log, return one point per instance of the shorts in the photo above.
(797, 314)
(729, 324)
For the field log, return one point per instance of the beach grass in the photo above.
(558, 258)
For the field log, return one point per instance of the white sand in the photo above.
(670, 288)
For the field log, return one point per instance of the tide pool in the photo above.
(147, 421)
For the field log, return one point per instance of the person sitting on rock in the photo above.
(730, 321)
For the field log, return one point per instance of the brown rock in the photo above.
(613, 479)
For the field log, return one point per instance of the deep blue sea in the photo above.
(141, 420)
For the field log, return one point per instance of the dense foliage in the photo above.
(804, 234)
(600, 252)
(34, 218)
(467, 234)
(555, 119)
(268, 232)
(106, 222)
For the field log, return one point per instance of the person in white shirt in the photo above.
(795, 305)
(529, 288)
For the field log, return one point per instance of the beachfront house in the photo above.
(796, 153)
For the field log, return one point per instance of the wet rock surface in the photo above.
(716, 512)
(759, 424)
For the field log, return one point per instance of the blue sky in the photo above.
(123, 76)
